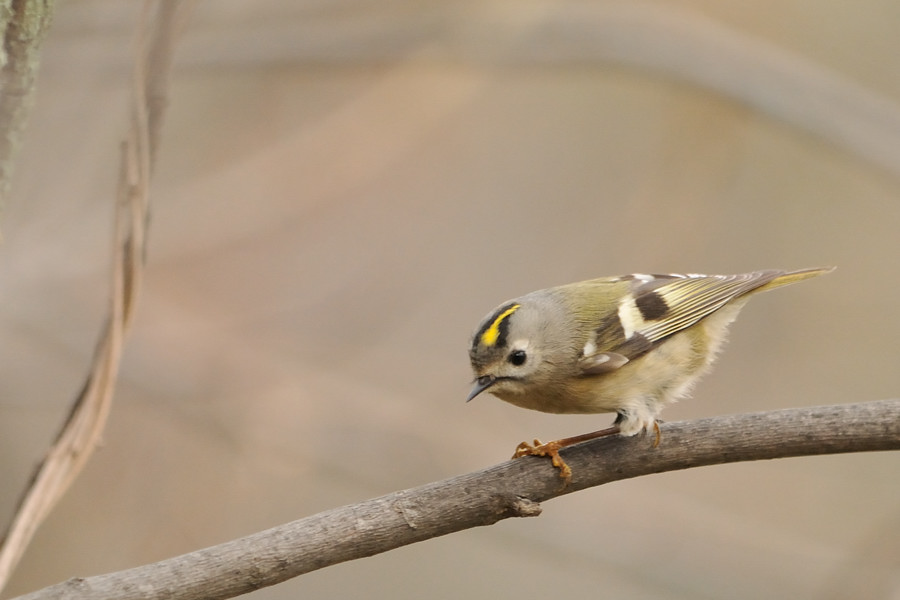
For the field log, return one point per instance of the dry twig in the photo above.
(511, 489)
(83, 429)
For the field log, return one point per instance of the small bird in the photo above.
(628, 345)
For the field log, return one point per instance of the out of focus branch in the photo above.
(665, 40)
(23, 25)
(511, 489)
(82, 430)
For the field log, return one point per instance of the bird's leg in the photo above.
(552, 449)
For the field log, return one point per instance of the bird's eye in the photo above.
(517, 357)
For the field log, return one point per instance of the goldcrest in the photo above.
(628, 345)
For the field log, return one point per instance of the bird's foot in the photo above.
(550, 449)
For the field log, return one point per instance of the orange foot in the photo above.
(550, 449)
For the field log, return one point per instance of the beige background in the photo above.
(344, 191)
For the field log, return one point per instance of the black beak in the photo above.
(481, 384)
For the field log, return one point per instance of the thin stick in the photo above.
(83, 428)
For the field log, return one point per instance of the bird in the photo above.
(628, 345)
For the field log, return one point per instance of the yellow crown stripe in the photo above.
(489, 337)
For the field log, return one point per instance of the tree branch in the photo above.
(23, 26)
(87, 418)
(511, 489)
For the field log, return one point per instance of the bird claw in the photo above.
(658, 434)
(550, 449)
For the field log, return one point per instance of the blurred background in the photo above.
(344, 190)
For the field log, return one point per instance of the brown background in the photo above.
(344, 191)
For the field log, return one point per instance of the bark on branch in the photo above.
(511, 489)
(23, 26)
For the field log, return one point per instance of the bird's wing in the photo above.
(658, 306)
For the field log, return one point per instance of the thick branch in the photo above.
(510, 489)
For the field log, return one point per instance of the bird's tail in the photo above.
(790, 277)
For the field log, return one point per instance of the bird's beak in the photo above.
(481, 384)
